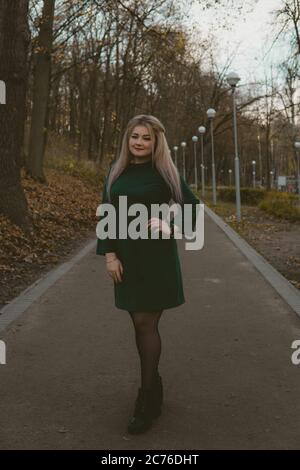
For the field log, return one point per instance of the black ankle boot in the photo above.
(157, 396)
(142, 416)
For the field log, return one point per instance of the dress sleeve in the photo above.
(106, 245)
(188, 198)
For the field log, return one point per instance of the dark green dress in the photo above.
(151, 278)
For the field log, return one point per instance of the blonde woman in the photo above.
(146, 272)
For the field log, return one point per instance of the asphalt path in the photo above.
(72, 370)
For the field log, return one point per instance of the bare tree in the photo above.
(120, 58)
(287, 21)
(288, 96)
(14, 41)
(41, 80)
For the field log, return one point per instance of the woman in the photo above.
(146, 272)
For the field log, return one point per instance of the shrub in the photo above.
(280, 204)
(81, 168)
(250, 196)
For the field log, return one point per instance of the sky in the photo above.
(251, 36)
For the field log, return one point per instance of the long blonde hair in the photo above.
(161, 157)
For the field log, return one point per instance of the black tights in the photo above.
(148, 343)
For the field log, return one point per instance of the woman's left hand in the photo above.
(156, 224)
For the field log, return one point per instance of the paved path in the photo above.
(72, 369)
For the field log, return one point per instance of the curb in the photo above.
(282, 286)
(19, 304)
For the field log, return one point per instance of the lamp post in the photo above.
(253, 172)
(233, 79)
(297, 147)
(271, 173)
(175, 148)
(202, 131)
(195, 140)
(183, 145)
(211, 114)
(229, 171)
(259, 157)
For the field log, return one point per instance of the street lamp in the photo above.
(183, 145)
(229, 171)
(195, 140)
(202, 131)
(221, 178)
(253, 172)
(297, 147)
(211, 114)
(271, 173)
(259, 157)
(233, 79)
(175, 148)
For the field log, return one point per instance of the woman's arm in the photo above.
(108, 247)
(188, 198)
(184, 228)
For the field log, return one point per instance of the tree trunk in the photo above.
(14, 42)
(41, 85)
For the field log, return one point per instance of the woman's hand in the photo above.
(115, 269)
(157, 224)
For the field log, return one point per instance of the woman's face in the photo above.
(140, 143)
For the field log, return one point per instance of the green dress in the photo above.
(151, 279)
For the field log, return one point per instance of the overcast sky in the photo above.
(251, 35)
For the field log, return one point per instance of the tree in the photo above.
(34, 162)
(287, 19)
(14, 41)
